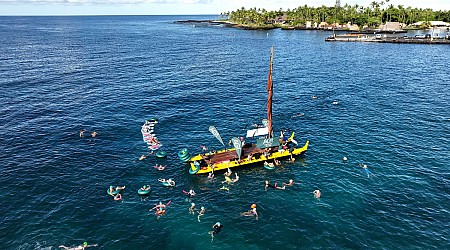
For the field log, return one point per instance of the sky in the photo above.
(178, 7)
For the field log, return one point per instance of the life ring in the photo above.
(114, 192)
(184, 152)
(167, 183)
(161, 154)
(269, 167)
(194, 170)
(144, 192)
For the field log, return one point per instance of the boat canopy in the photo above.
(267, 142)
(257, 132)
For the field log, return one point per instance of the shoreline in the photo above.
(284, 27)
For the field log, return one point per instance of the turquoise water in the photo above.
(108, 74)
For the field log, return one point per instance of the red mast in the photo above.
(270, 94)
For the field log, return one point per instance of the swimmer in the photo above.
(289, 184)
(201, 213)
(160, 208)
(142, 157)
(80, 247)
(270, 164)
(251, 212)
(228, 173)
(278, 187)
(335, 102)
(211, 175)
(118, 197)
(291, 159)
(217, 227)
(112, 189)
(192, 208)
(170, 182)
(314, 97)
(317, 193)
(277, 162)
(191, 193)
(268, 185)
(160, 167)
(226, 188)
(364, 166)
(235, 179)
(82, 132)
(94, 134)
(227, 180)
(344, 159)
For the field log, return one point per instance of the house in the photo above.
(391, 26)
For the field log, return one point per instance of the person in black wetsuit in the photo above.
(217, 227)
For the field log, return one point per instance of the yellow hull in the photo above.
(244, 162)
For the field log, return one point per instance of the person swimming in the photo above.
(251, 212)
(317, 193)
(192, 208)
(168, 182)
(217, 228)
(80, 247)
(289, 184)
(235, 179)
(201, 213)
(364, 166)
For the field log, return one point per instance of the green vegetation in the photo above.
(371, 16)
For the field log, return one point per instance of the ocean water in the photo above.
(109, 74)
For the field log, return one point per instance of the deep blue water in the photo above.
(108, 74)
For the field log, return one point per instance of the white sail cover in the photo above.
(257, 132)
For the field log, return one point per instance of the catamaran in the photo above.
(267, 149)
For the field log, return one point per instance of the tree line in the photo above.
(373, 15)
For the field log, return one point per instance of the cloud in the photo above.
(109, 1)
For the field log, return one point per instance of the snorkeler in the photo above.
(364, 166)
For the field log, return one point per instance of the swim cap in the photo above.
(253, 206)
(202, 207)
(192, 204)
(218, 223)
(85, 243)
(111, 187)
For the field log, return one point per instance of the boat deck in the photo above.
(228, 155)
